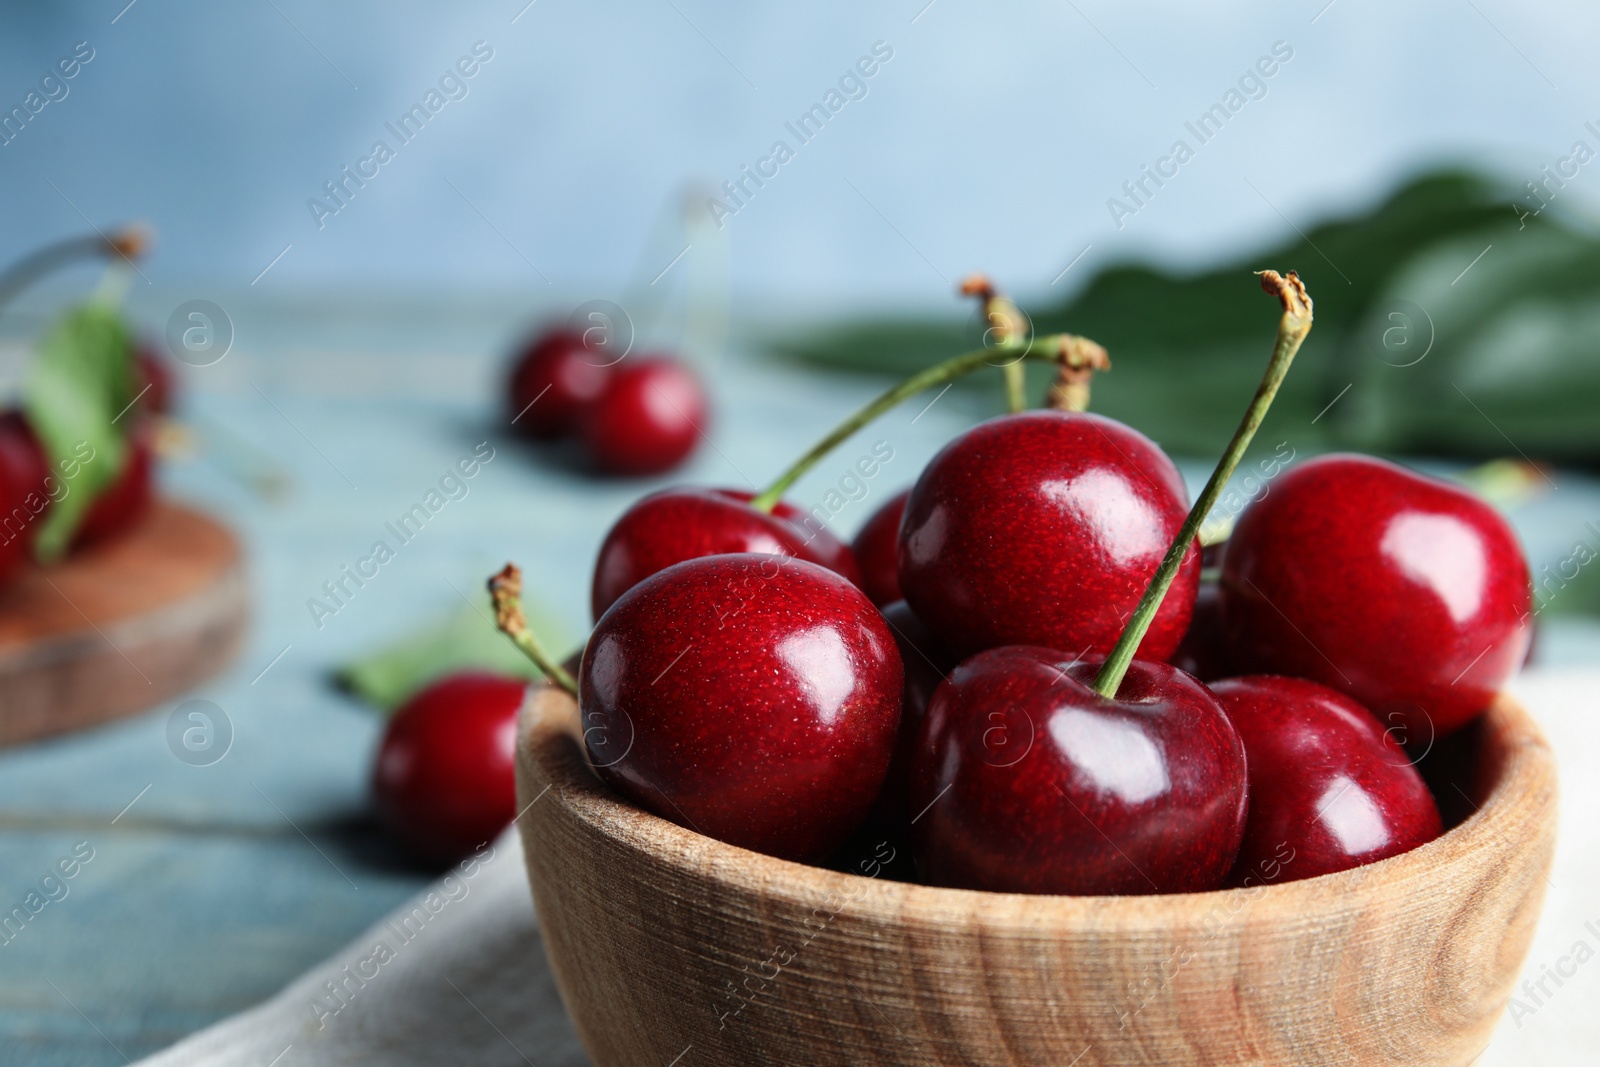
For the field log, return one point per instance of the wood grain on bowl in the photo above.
(121, 627)
(672, 948)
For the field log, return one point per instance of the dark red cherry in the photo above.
(1203, 652)
(124, 503)
(1027, 781)
(877, 550)
(648, 418)
(118, 508)
(752, 698)
(554, 382)
(1329, 788)
(1405, 592)
(687, 522)
(152, 370)
(15, 521)
(1044, 528)
(925, 663)
(21, 451)
(444, 780)
(25, 468)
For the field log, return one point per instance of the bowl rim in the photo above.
(549, 750)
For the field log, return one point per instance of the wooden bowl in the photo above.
(671, 948)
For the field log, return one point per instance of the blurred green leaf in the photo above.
(78, 384)
(1506, 310)
(465, 641)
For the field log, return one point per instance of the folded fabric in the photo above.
(456, 975)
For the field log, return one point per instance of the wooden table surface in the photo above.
(210, 887)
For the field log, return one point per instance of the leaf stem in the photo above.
(505, 591)
(1041, 348)
(1292, 330)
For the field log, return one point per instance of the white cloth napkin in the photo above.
(462, 977)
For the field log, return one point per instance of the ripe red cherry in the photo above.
(444, 779)
(752, 698)
(25, 468)
(1409, 594)
(1028, 781)
(687, 522)
(877, 550)
(120, 505)
(15, 520)
(151, 369)
(555, 380)
(647, 420)
(1329, 788)
(124, 503)
(1044, 528)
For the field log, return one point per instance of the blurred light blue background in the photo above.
(992, 139)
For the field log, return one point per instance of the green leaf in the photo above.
(465, 641)
(78, 384)
(1507, 299)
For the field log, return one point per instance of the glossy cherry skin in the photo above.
(925, 663)
(1030, 782)
(647, 420)
(1203, 652)
(1044, 528)
(752, 698)
(1330, 789)
(877, 551)
(444, 779)
(1405, 592)
(687, 522)
(555, 380)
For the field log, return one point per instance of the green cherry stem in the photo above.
(1007, 328)
(1016, 387)
(1292, 330)
(505, 591)
(1041, 348)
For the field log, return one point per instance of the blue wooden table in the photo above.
(210, 887)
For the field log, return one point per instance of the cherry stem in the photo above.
(1292, 330)
(1016, 387)
(1079, 362)
(126, 243)
(1007, 327)
(505, 591)
(1039, 348)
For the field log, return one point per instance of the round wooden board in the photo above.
(117, 629)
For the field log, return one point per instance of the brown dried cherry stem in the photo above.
(505, 590)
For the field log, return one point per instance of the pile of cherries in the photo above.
(629, 415)
(964, 677)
